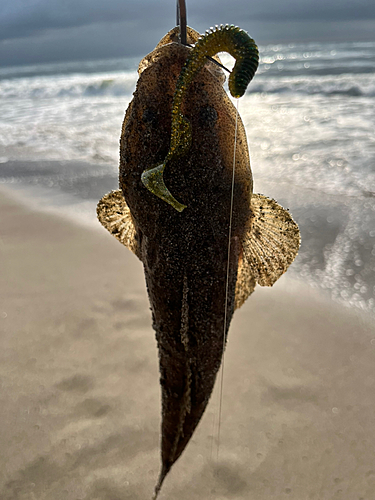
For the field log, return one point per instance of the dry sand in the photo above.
(80, 409)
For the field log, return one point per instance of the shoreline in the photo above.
(337, 252)
(80, 401)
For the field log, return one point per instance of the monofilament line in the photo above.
(227, 282)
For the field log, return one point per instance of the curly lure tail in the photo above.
(229, 39)
(226, 38)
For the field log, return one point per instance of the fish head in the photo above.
(208, 164)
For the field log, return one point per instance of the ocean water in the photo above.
(310, 120)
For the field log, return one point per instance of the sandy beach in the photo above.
(80, 409)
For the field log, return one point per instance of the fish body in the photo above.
(192, 288)
(185, 254)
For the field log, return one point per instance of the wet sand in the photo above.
(79, 403)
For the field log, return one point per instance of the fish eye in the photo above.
(207, 116)
(150, 116)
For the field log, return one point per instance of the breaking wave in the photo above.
(78, 85)
(344, 85)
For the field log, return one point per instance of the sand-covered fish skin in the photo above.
(185, 254)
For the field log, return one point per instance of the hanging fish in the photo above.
(174, 208)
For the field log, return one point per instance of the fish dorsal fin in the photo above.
(269, 246)
(114, 214)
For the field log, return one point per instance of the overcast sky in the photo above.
(62, 30)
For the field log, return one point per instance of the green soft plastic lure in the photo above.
(226, 38)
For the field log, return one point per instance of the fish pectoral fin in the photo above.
(245, 283)
(114, 214)
(269, 246)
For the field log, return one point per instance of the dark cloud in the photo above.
(297, 10)
(51, 30)
(24, 18)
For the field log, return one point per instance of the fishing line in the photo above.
(227, 283)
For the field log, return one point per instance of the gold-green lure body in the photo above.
(239, 45)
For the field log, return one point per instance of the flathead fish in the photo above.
(179, 212)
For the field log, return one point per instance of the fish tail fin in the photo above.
(164, 471)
